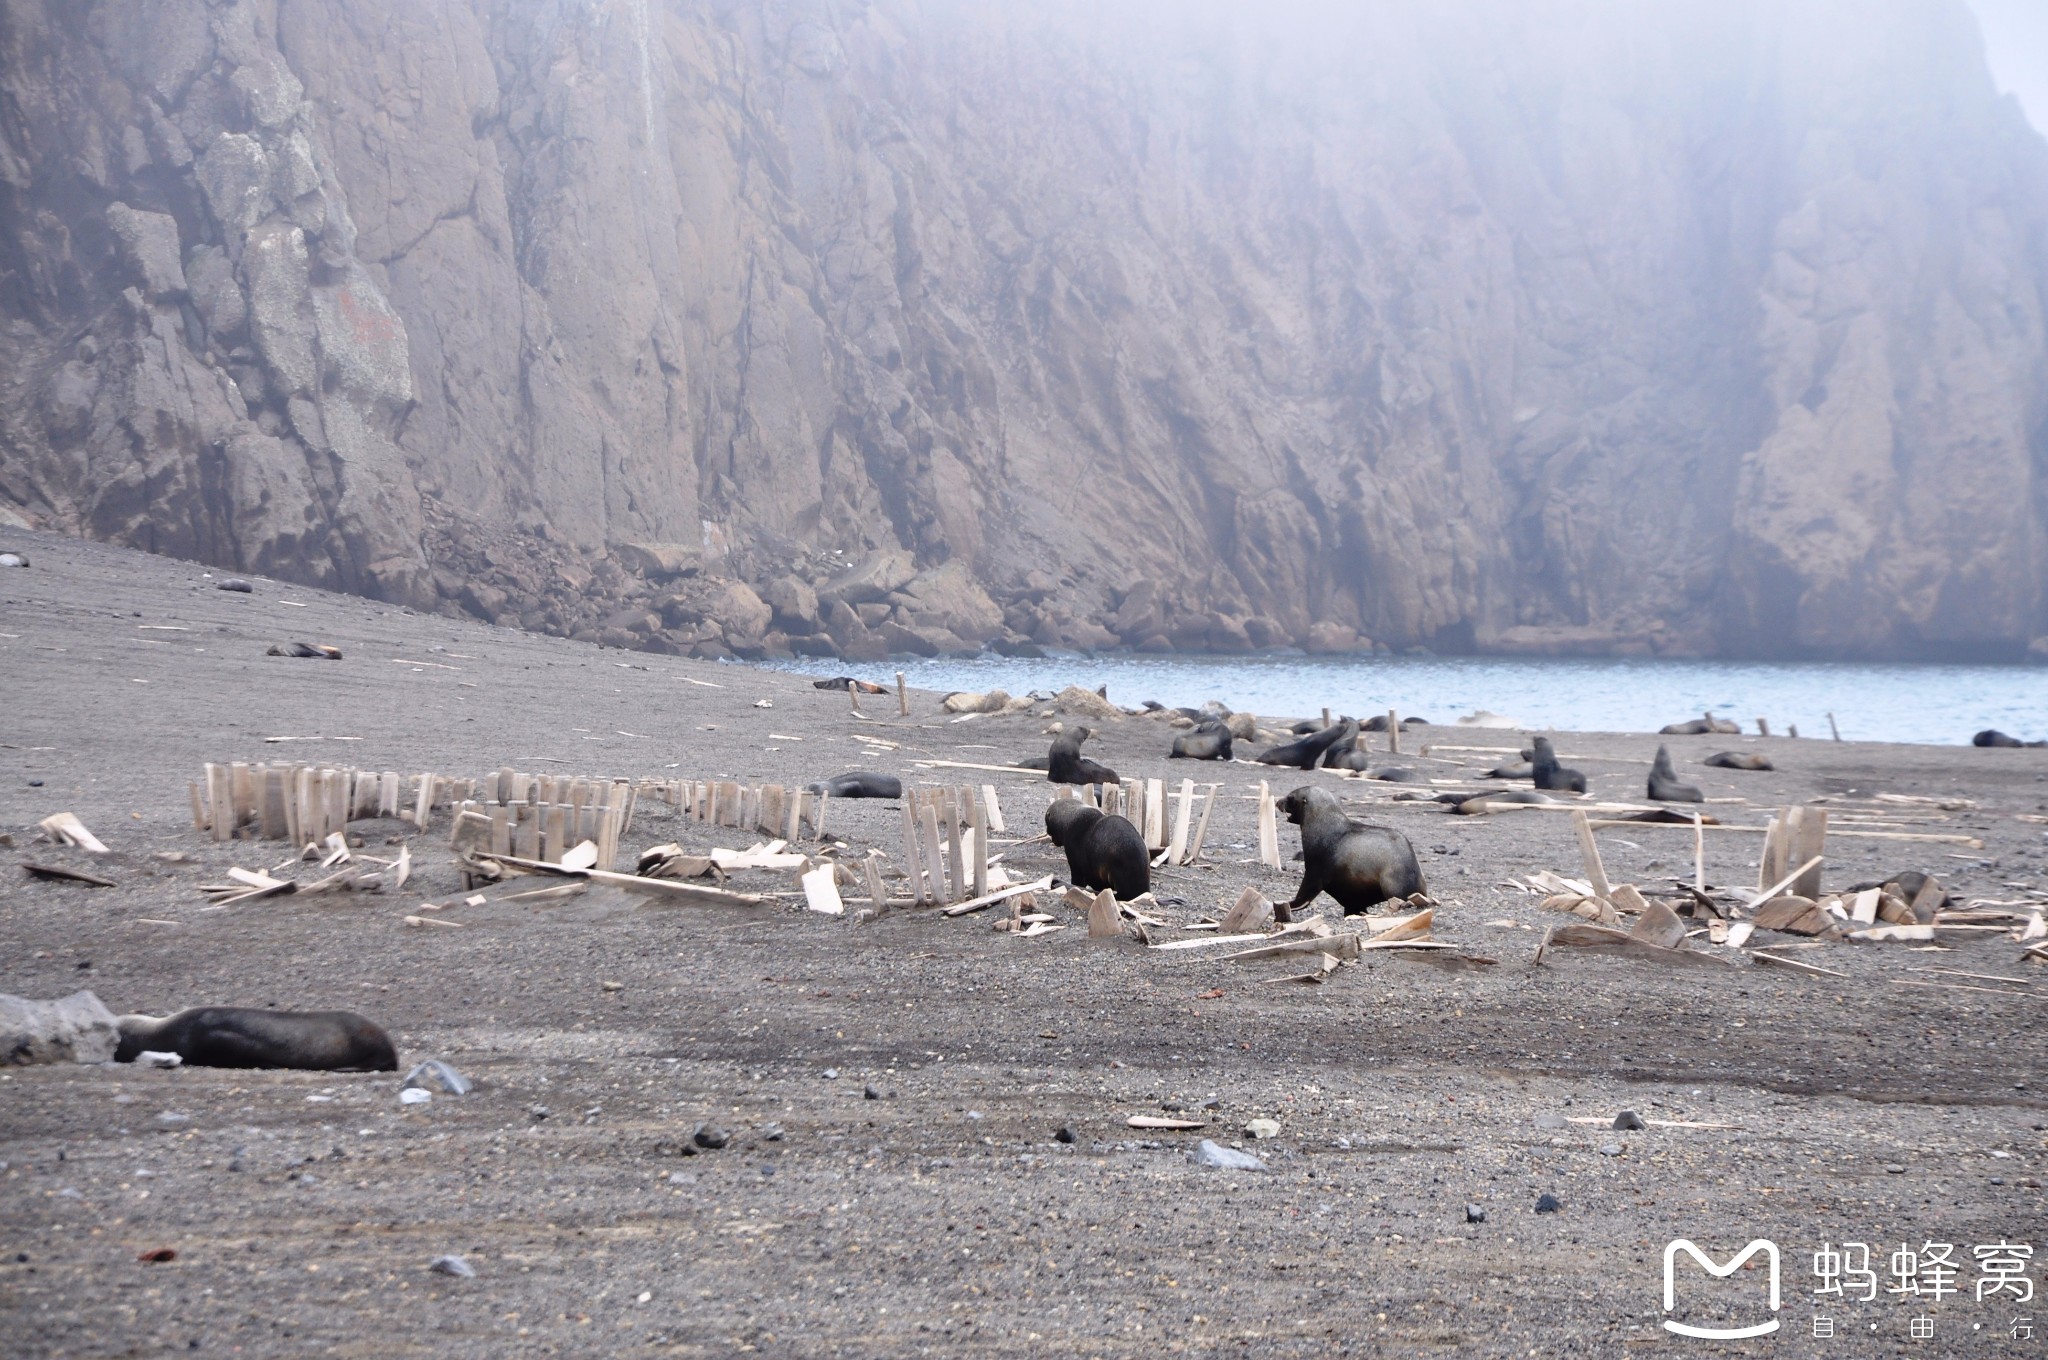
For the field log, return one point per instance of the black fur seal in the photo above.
(1349, 759)
(1731, 760)
(860, 784)
(1664, 785)
(242, 1036)
(1551, 775)
(1102, 851)
(1209, 741)
(1307, 752)
(1480, 803)
(1033, 763)
(1991, 736)
(1358, 865)
(1065, 764)
(1700, 727)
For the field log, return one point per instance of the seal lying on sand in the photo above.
(1065, 764)
(848, 682)
(242, 1036)
(1477, 804)
(1102, 851)
(1305, 753)
(1991, 736)
(1358, 865)
(1548, 773)
(1699, 727)
(1664, 785)
(318, 651)
(1731, 760)
(1209, 741)
(860, 784)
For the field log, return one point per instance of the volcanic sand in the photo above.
(939, 1214)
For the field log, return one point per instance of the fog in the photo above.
(2016, 42)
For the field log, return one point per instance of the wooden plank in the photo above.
(994, 809)
(1795, 965)
(1201, 828)
(1183, 811)
(423, 807)
(970, 765)
(199, 822)
(1251, 912)
(913, 860)
(987, 900)
(1863, 911)
(817, 801)
(934, 852)
(902, 697)
(219, 804)
(821, 891)
(878, 896)
(978, 830)
(956, 853)
(1781, 884)
(1660, 926)
(1596, 872)
(1809, 847)
(1584, 935)
(1269, 831)
(1104, 921)
(1155, 815)
(1393, 732)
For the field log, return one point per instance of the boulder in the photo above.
(1138, 616)
(949, 597)
(794, 602)
(872, 578)
(1228, 635)
(1331, 639)
(741, 614)
(995, 701)
(1265, 632)
(149, 247)
(1084, 703)
(658, 561)
(76, 1028)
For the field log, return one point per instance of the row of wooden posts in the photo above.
(771, 809)
(945, 842)
(305, 804)
(543, 817)
(1179, 836)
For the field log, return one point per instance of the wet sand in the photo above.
(943, 1215)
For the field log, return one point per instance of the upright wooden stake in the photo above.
(1763, 727)
(877, 894)
(1596, 873)
(1104, 921)
(1269, 830)
(422, 812)
(1202, 828)
(198, 808)
(1155, 815)
(853, 695)
(1184, 807)
(818, 814)
(1393, 732)
(956, 858)
(995, 808)
(934, 854)
(978, 828)
(1699, 853)
(913, 859)
(902, 697)
(1327, 719)
(1811, 844)
(1834, 729)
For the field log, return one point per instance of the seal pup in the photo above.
(860, 784)
(1064, 763)
(1548, 773)
(1991, 736)
(1733, 760)
(242, 1036)
(1103, 851)
(1209, 741)
(1664, 785)
(1358, 865)
(1307, 752)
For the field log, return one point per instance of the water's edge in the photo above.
(1922, 702)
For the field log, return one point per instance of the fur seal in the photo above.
(1664, 785)
(1307, 752)
(848, 682)
(242, 1036)
(1350, 758)
(1064, 763)
(1731, 760)
(1991, 736)
(1548, 773)
(315, 650)
(1102, 851)
(1519, 769)
(1358, 865)
(1478, 804)
(860, 784)
(1209, 741)
(1705, 725)
(1378, 723)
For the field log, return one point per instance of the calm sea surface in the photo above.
(1881, 702)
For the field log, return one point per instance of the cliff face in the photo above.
(849, 327)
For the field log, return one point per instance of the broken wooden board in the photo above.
(1659, 926)
(1251, 914)
(1104, 920)
(60, 873)
(988, 900)
(66, 829)
(1314, 925)
(1153, 1121)
(1342, 944)
(1893, 934)
(1606, 939)
(821, 891)
(1795, 965)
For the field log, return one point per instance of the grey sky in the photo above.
(2016, 40)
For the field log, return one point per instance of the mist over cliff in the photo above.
(845, 327)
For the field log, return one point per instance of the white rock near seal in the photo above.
(13, 559)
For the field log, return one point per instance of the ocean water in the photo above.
(1915, 702)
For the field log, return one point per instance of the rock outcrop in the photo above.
(846, 327)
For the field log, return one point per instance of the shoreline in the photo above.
(946, 1209)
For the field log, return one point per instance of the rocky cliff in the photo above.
(847, 327)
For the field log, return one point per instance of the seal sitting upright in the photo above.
(1102, 851)
(1549, 774)
(1066, 765)
(242, 1036)
(1664, 785)
(1358, 865)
